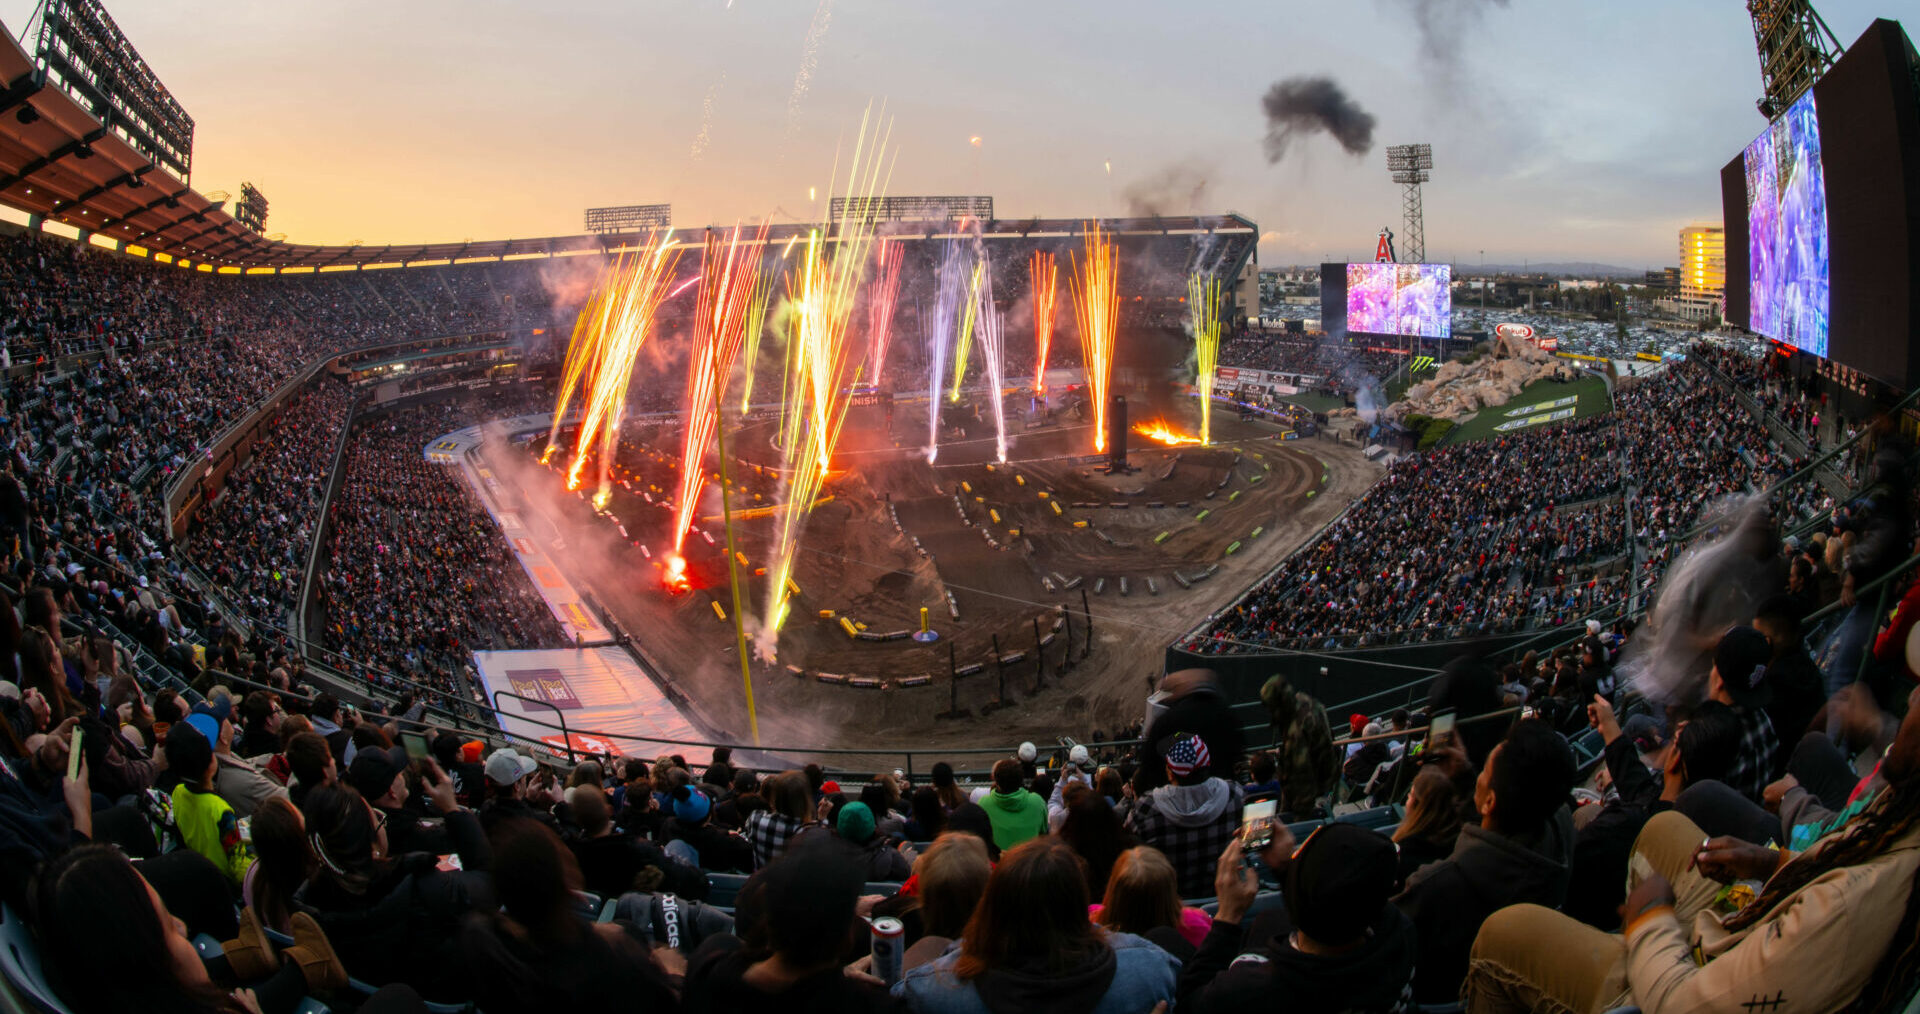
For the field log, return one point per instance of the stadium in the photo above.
(904, 606)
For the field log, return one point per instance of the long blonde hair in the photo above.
(1143, 892)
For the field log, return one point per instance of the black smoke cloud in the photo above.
(1174, 190)
(1302, 106)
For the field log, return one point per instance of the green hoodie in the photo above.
(1016, 817)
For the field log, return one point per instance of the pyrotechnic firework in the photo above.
(1096, 305)
(705, 137)
(969, 313)
(991, 347)
(757, 301)
(616, 322)
(881, 298)
(822, 292)
(809, 58)
(1045, 275)
(1203, 305)
(728, 270)
(945, 316)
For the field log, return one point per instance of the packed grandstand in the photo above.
(1613, 708)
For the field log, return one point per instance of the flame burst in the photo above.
(608, 335)
(728, 270)
(1160, 431)
(1045, 275)
(881, 299)
(821, 293)
(1096, 305)
(1203, 304)
(939, 329)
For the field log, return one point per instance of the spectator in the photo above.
(797, 938)
(1739, 680)
(1143, 898)
(238, 781)
(207, 823)
(612, 863)
(1190, 819)
(1702, 749)
(721, 771)
(789, 811)
(707, 846)
(1832, 927)
(395, 918)
(1309, 765)
(929, 816)
(1429, 831)
(538, 953)
(284, 862)
(1794, 681)
(261, 715)
(1266, 774)
(1017, 813)
(949, 790)
(949, 879)
(1517, 853)
(880, 860)
(1188, 701)
(1094, 831)
(1350, 948)
(311, 764)
(1030, 946)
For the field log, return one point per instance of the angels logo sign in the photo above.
(1383, 252)
(1511, 330)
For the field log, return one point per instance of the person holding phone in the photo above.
(382, 779)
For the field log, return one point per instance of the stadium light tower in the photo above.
(1409, 164)
(1796, 47)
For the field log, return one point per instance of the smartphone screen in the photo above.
(1256, 826)
(416, 745)
(74, 754)
(1442, 726)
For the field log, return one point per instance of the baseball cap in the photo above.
(1027, 753)
(1356, 723)
(829, 787)
(1078, 756)
(506, 766)
(690, 804)
(856, 823)
(1186, 754)
(1338, 881)
(1645, 732)
(218, 707)
(205, 725)
(373, 770)
(1741, 659)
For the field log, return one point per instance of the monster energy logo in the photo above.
(1421, 363)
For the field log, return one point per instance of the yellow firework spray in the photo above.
(965, 344)
(635, 285)
(757, 301)
(1096, 304)
(821, 294)
(1203, 305)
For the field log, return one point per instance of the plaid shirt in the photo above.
(769, 832)
(1193, 851)
(1753, 765)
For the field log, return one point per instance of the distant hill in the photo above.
(1583, 269)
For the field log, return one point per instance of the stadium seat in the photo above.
(883, 887)
(20, 958)
(1373, 819)
(724, 888)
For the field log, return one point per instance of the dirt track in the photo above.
(855, 562)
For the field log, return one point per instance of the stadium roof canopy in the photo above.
(57, 161)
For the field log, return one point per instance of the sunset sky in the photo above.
(1561, 131)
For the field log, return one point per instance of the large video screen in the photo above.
(1787, 245)
(1411, 300)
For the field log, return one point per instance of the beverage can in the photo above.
(889, 948)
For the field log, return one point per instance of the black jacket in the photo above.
(609, 864)
(721, 850)
(1602, 848)
(1448, 900)
(405, 926)
(514, 975)
(1377, 978)
(715, 985)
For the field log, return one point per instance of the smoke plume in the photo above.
(1443, 26)
(1175, 190)
(1302, 106)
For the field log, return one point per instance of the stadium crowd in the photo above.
(1751, 836)
(417, 576)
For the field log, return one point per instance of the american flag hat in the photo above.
(1186, 754)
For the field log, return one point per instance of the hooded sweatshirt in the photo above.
(1128, 976)
(1191, 824)
(1374, 978)
(1016, 816)
(1448, 900)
